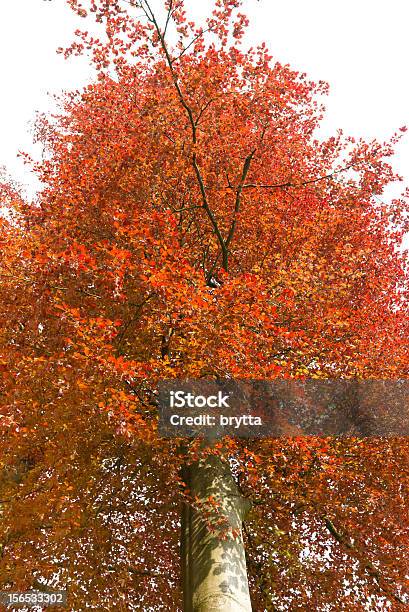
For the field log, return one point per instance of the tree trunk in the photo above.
(214, 573)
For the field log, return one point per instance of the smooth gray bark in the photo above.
(214, 572)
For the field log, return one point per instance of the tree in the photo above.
(192, 225)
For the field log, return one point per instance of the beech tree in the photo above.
(192, 225)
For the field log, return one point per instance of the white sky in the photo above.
(361, 47)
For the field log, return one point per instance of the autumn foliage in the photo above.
(192, 224)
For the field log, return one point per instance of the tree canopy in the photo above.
(191, 224)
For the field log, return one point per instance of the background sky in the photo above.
(361, 47)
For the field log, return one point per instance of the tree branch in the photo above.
(246, 168)
(347, 542)
(192, 122)
(290, 184)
